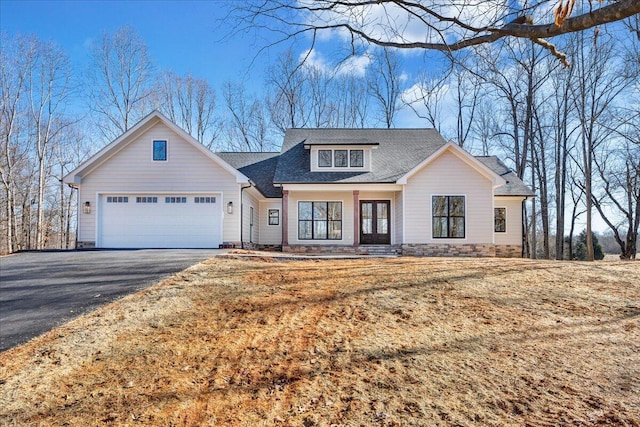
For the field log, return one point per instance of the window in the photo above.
(340, 158)
(274, 217)
(204, 199)
(500, 220)
(173, 199)
(356, 158)
(448, 216)
(319, 220)
(146, 199)
(324, 158)
(117, 199)
(159, 150)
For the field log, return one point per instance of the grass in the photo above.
(395, 342)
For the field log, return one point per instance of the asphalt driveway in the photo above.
(39, 290)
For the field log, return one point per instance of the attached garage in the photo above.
(159, 220)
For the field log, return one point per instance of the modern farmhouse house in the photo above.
(349, 190)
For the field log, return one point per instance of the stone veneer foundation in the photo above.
(509, 251)
(445, 249)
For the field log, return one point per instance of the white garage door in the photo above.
(160, 221)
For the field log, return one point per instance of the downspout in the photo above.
(242, 213)
(77, 215)
(523, 230)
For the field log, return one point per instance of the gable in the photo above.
(459, 160)
(133, 153)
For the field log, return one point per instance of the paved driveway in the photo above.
(39, 290)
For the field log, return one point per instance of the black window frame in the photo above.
(275, 217)
(329, 223)
(449, 217)
(160, 155)
(499, 227)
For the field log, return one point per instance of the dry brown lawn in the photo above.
(393, 342)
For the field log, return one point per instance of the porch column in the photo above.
(356, 218)
(285, 217)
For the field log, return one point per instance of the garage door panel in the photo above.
(160, 225)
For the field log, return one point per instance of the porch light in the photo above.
(230, 207)
(87, 207)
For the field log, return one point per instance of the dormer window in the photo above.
(340, 159)
(324, 158)
(356, 158)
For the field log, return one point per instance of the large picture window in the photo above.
(319, 220)
(448, 216)
(500, 220)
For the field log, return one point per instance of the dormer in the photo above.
(341, 155)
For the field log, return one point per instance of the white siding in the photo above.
(513, 235)
(330, 196)
(270, 234)
(132, 170)
(250, 234)
(449, 175)
(397, 203)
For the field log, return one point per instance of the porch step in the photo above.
(379, 250)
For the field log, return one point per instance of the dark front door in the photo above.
(375, 222)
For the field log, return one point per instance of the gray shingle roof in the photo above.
(398, 151)
(514, 186)
(258, 167)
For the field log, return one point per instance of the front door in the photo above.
(375, 224)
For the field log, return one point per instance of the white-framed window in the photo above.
(340, 158)
(500, 220)
(319, 220)
(356, 158)
(146, 199)
(274, 216)
(175, 199)
(117, 199)
(204, 199)
(159, 150)
(448, 217)
(324, 158)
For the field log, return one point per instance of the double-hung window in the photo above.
(448, 216)
(319, 220)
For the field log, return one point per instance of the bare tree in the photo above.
(598, 83)
(16, 58)
(246, 126)
(385, 84)
(441, 26)
(288, 101)
(119, 81)
(48, 85)
(190, 103)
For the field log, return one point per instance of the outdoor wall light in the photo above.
(230, 207)
(87, 207)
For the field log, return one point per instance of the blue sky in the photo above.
(188, 37)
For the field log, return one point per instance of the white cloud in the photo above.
(353, 65)
(392, 23)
